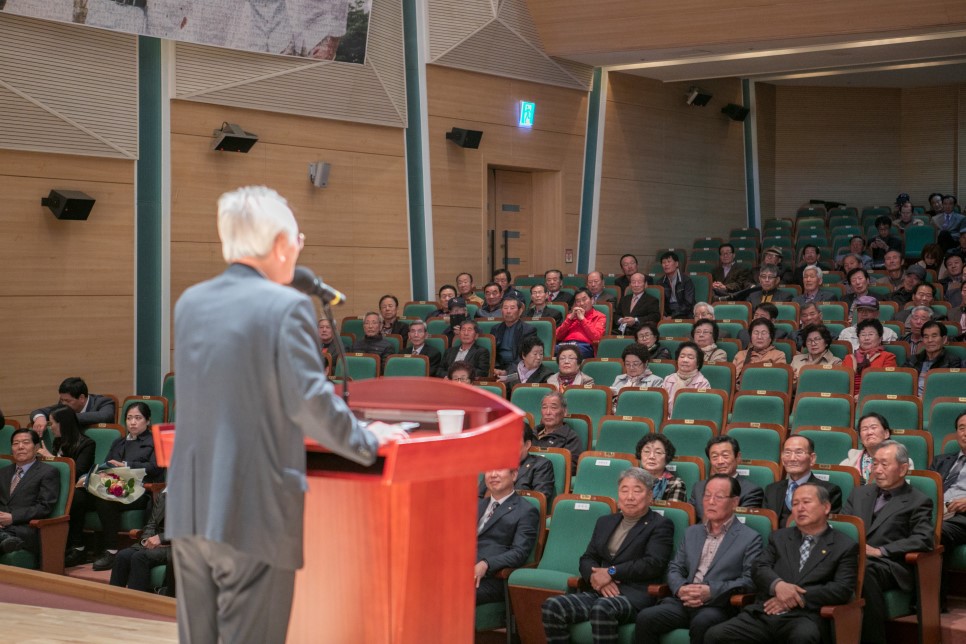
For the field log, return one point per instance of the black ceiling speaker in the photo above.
(232, 138)
(69, 204)
(465, 138)
(697, 96)
(735, 112)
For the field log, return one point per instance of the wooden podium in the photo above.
(390, 549)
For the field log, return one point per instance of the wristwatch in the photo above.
(612, 571)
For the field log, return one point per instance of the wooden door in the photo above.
(511, 220)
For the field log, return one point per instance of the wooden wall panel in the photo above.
(356, 229)
(67, 286)
(459, 177)
(569, 27)
(840, 144)
(670, 172)
(928, 141)
(765, 133)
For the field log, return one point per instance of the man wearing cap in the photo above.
(866, 308)
(773, 256)
(913, 277)
(858, 279)
(768, 278)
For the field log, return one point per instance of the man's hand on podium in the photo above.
(387, 433)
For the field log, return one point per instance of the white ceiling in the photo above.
(880, 60)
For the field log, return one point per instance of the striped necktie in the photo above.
(16, 479)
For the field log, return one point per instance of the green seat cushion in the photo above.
(157, 575)
(20, 559)
(490, 616)
(957, 558)
(898, 603)
(581, 633)
(536, 578)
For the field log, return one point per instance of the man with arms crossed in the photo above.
(250, 387)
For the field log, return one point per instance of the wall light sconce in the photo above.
(232, 138)
(69, 204)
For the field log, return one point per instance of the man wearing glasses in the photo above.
(798, 457)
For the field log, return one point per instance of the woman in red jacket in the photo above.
(870, 354)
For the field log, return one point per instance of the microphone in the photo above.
(306, 281)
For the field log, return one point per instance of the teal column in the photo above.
(751, 155)
(148, 219)
(417, 155)
(588, 209)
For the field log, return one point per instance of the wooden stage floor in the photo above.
(35, 624)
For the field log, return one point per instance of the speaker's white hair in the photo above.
(249, 220)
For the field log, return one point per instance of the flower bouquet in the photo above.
(120, 484)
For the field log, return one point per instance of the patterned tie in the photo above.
(953, 475)
(16, 479)
(487, 516)
(634, 301)
(791, 492)
(805, 550)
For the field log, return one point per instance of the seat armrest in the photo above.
(742, 600)
(659, 590)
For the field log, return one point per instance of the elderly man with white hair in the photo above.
(251, 386)
(812, 290)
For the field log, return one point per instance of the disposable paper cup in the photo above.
(450, 421)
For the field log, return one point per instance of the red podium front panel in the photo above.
(390, 548)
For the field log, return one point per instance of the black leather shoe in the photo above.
(11, 544)
(105, 562)
(75, 557)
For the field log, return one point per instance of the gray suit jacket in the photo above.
(730, 570)
(250, 387)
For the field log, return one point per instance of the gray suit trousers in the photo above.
(217, 588)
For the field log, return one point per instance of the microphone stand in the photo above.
(337, 339)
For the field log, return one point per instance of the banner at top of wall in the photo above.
(311, 29)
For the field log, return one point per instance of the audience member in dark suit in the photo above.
(136, 451)
(506, 530)
(535, 472)
(70, 441)
(628, 268)
(29, 489)
(372, 340)
(389, 310)
(768, 278)
(530, 367)
(538, 305)
(417, 346)
(132, 568)
(627, 551)
(509, 334)
(713, 563)
(635, 308)
(554, 281)
(467, 351)
(727, 278)
(898, 520)
(90, 408)
(811, 256)
(554, 432)
(679, 296)
(949, 223)
(794, 580)
(723, 453)
(812, 290)
(952, 469)
(798, 458)
(933, 354)
(595, 286)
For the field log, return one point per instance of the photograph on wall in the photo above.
(313, 29)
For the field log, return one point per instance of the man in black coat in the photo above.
(417, 346)
(898, 520)
(467, 350)
(798, 458)
(636, 307)
(933, 354)
(90, 408)
(506, 531)
(724, 453)
(29, 490)
(641, 541)
(509, 334)
(801, 569)
(535, 472)
(952, 469)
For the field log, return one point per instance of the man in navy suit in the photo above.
(713, 563)
(417, 346)
(28, 490)
(90, 408)
(505, 533)
(798, 458)
(723, 453)
(898, 520)
(952, 469)
(636, 307)
(627, 551)
(801, 569)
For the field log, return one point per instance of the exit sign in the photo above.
(527, 110)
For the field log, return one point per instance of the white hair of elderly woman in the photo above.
(249, 220)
